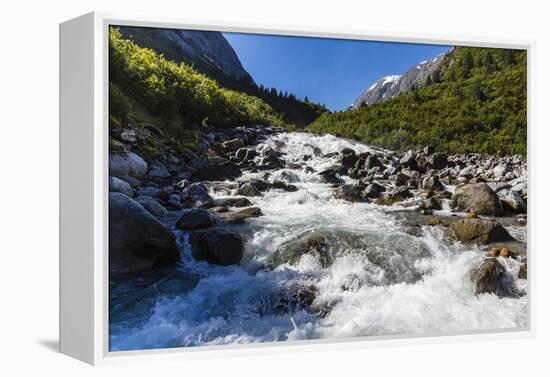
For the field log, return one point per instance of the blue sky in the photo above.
(329, 71)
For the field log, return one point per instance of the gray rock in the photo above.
(149, 191)
(197, 195)
(118, 185)
(233, 202)
(477, 198)
(512, 201)
(491, 277)
(124, 165)
(217, 246)
(137, 240)
(196, 218)
(152, 206)
(432, 183)
(500, 171)
(158, 170)
(349, 192)
(248, 189)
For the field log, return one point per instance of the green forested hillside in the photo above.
(477, 102)
(144, 84)
(293, 110)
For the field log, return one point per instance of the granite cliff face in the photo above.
(390, 86)
(208, 51)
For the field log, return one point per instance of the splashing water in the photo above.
(382, 280)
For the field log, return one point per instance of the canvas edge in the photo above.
(100, 341)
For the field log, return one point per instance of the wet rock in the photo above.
(479, 231)
(373, 190)
(271, 162)
(349, 192)
(504, 252)
(372, 162)
(349, 158)
(248, 189)
(246, 154)
(316, 244)
(233, 202)
(430, 204)
(127, 165)
(432, 183)
(259, 184)
(118, 185)
(294, 298)
(477, 198)
(152, 206)
(329, 176)
(239, 217)
(137, 240)
(397, 194)
(197, 195)
(284, 186)
(217, 246)
(429, 149)
(491, 277)
(512, 201)
(400, 179)
(195, 218)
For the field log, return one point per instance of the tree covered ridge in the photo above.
(476, 102)
(144, 84)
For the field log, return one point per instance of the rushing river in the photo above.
(383, 280)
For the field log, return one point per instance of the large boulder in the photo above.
(118, 185)
(512, 201)
(477, 198)
(479, 231)
(195, 218)
(196, 194)
(491, 277)
(137, 240)
(127, 165)
(219, 169)
(349, 158)
(217, 246)
(313, 244)
(158, 170)
(152, 206)
(397, 194)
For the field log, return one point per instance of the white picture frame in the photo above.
(84, 188)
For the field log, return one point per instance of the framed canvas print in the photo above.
(225, 188)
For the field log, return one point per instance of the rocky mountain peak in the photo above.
(390, 86)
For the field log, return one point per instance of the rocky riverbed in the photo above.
(264, 235)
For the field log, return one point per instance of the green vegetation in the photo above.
(146, 86)
(477, 102)
(293, 110)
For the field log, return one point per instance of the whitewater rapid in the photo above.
(384, 280)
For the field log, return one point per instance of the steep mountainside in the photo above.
(209, 53)
(390, 86)
(477, 102)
